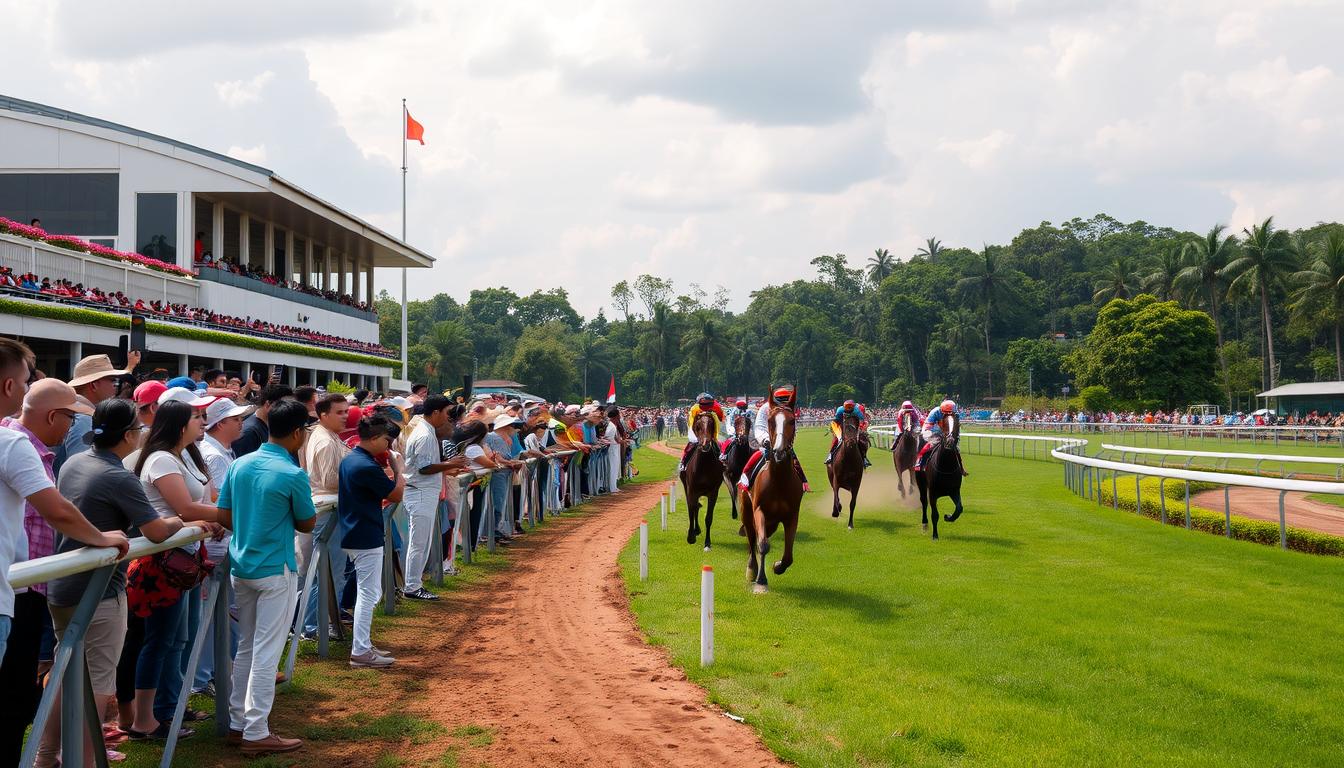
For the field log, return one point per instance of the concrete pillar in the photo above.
(246, 372)
(244, 239)
(183, 365)
(76, 354)
(308, 262)
(219, 363)
(292, 374)
(217, 231)
(368, 282)
(292, 262)
(269, 257)
(339, 269)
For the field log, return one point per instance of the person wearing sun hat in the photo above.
(95, 380)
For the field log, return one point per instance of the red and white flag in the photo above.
(611, 390)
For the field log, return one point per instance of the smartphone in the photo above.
(137, 341)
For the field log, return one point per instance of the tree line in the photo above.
(1011, 319)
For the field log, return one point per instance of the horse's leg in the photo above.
(762, 546)
(956, 499)
(923, 502)
(732, 490)
(853, 499)
(710, 499)
(749, 528)
(693, 510)
(790, 528)
(835, 490)
(933, 507)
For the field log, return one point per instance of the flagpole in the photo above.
(405, 373)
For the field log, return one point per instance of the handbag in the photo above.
(182, 570)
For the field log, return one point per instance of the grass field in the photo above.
(1041, 630)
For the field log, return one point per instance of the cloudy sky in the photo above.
(579, 143)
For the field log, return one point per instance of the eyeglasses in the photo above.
(66, 413)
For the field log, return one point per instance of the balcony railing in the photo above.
(23, 255)
(225, 277)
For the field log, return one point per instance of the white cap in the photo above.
(184, 395)
(587, 409)
(399, 402)
(505, 420)
(222, 409)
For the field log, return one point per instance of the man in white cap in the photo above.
(95, 380)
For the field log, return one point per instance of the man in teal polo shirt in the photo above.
(265, 499)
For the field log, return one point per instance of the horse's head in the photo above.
(741, 426)
(953, 432)
(782, 426)
(704, 430)
(849, 428)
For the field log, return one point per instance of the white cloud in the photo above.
(255, 155)
(237, 93)
(980, 152)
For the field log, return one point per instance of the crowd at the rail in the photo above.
(107, 455)
(69, 292)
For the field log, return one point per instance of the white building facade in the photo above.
(133, 191)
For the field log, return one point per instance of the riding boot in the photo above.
(830, 457)
(798, 466)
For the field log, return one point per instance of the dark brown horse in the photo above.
(906, 450)
(735, 458)
(702, 477)
(774, 499)
(846, 469)
(941, 476)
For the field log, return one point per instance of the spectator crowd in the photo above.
(206, 261)
(260, 476)
(67, 291)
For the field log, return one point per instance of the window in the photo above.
(83, 204)
(278, 268)
(156, 226)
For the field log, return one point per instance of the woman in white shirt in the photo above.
(613, 435)
(177, 483)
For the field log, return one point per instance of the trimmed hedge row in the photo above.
(120, 322)
(1211, 521)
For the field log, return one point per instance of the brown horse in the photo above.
(702, 477)
(846, 469)
(774, 498)
(735, 458)
(906, 450)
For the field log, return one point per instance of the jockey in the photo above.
(739, 409)
(908, 411)
(850, 408)
(937, 424)
(760, 434)
(705, 403)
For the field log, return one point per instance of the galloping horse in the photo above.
(941, 476)
(774, 498)
(906, 450)
(702, 477)
(846, 469)
(739, 451)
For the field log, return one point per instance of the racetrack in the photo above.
(1263, 504)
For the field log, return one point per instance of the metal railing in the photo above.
(560, 487)
(1160, 434)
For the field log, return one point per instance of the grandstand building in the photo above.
(231, 265)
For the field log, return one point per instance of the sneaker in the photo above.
(207, 690)
(371, 659)
(420, 594)
(450, 570)
(381, 652)
(269, 745)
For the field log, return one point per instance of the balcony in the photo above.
(223, 276)
(23, 255)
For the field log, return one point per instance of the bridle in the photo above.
(704, 425)
(781, 417)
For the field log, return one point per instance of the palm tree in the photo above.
(932, 247)
(959, 331)
(1322, 283)
(658, 338)
(592, 351)
(707, 342)
(1266, 259)
(452, 344)
(1161, 278)
(880, 265)
(1116, 279)
(1205, 260)
(987, 280)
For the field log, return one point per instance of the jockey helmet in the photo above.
(705, 398)
(907, 404)
(849, 405)
(782, 396)
(741, 403)
(948, 406)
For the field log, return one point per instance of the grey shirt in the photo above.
(112, 499)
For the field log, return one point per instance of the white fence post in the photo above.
(706, 616)
(644, 550)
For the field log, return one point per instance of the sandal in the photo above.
(195, 715)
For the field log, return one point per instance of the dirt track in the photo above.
(1298, 510)
(551, 659)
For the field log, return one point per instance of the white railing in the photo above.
(1157, 433)
(1222, 460)
(23, 255)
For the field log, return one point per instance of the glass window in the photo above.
(156, 226)
(67, 203)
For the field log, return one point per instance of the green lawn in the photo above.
(1041, 630)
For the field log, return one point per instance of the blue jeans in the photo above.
(500, 484)
(5, 623)
(159, 666)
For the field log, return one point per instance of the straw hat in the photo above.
(93, 368)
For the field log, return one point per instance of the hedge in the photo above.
(1211, 521)
(120, 322)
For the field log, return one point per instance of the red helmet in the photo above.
(783, 396)
(948, 406)
(849, 405)
(741, 403)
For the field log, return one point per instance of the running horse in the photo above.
(737, 450)
(941, 476)
(846, 469)
(702, 476)
(774, 499)
(906, 450)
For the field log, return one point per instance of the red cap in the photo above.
(149, 392)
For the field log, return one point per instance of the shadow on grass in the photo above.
(865, 607)
(993, 541)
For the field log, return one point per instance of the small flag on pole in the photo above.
(611, 390)
(414, 130)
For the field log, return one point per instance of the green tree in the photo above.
(452, 349)
(990, 283)
(707, 343)
(1038, 362)
(1161, 277)
(657, 344)
(591, 351)
(1148, 352)
(621, 298)
(653, 291)
(879, 266)
(1321, 287)
(1206, 261)
(544, 361)
(930, 250)
(1117, 280)
(1266, 260)
(542, 307)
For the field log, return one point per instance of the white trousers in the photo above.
(420, 505)
(265, 609)
(369, 580)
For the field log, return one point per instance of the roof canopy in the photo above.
(1315, 388)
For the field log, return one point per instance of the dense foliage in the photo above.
(972, 324)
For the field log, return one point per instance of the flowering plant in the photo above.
(72, 243)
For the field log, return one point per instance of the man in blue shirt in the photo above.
(265, 499)
(363, 488)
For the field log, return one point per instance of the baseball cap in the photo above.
(184, 395)
(53, 394)
(221, 409)
(148, 392)
(184, 382)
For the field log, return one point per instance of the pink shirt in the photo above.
(41, 537)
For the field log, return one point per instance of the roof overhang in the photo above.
(1308, 389)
